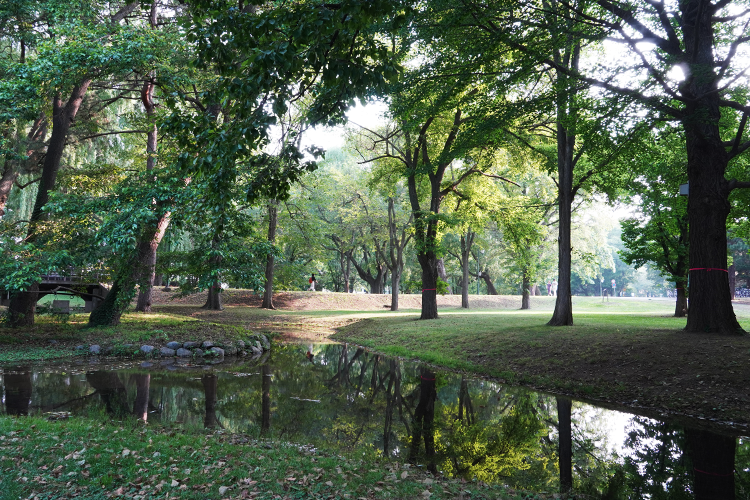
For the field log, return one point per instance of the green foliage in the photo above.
(658, 234)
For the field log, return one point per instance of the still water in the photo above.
(345, 398)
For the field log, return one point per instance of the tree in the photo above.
(526, 55)
(702, 40)
(64, 67)
(659, 233)
(329, 54)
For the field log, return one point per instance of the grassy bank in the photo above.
(625, 352)
(86, 458)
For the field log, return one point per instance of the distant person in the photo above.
(312, 283)
(554, 288)
(549, 288)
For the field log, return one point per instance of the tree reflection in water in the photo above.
(368, 404)
(17, 384)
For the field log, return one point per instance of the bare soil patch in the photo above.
(325, 301)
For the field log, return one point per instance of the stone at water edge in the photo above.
(217, 351)
(184, 353)
(95, 349)
(241, 344)
(174, 345)
(265, 341)
(207, 344)
(198, 353)
(190, 345)
(166, 351)
(147, 349)
(230, 349)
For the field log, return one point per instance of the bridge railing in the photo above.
(73, 275)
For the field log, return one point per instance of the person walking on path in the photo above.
(312, 283)
(554, 288)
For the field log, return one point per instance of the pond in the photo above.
(348, 399)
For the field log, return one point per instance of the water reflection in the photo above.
(337, 395)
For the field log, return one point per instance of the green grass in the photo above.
(92, 459)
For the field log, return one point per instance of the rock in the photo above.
(230, 349)
(207, 344)
(80, 348)
(265, 341)
(184, 353)
(174, 345)
(147, 364)
(166, 351)
(95, 349)
(242, 353)
(217, 351)
(256, 350)
(198, 352)
(107, 350)
(223, 489)
(166, 362)
(240, 344)
(190, 345)
(258, 345)
(147, 349)
(53, 342)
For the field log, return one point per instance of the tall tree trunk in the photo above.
(708, 197)
(395, 284)
(525, 289)
(565, 432)
(214, 300)
(491, 290)
(345, 269)
(109, 311)
(428, 262)
(152, 236)
(23, 304)
(268, 291)
(466, 242)
(147, 261)
(565, 90)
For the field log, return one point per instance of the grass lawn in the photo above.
(85, 458)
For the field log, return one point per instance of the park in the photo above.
(374, 249)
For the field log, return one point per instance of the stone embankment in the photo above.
(254, 345)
